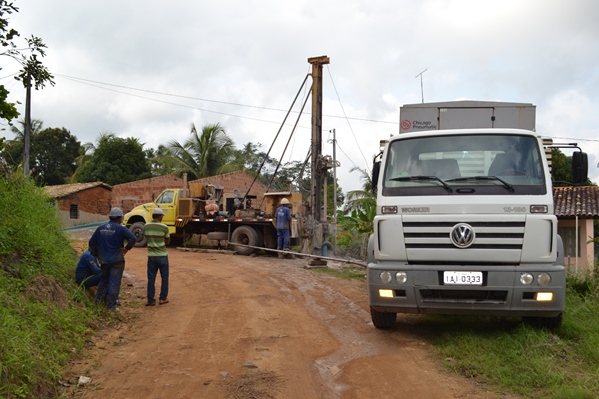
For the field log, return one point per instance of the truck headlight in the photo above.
(401, 277)
(526, 278)
(386, 277)
(544, 279)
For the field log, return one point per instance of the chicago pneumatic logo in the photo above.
(406, 124)
(462, 235)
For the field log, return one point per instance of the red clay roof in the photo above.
(63, 190)
(581, 201)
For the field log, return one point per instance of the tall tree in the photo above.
(28, 56)
(203, 154)
(115, 161)
(52, 155)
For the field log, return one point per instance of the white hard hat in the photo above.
(284, 201)
(115, 212)
(157, 212)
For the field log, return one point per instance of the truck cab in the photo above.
(465, 225)
(140, 215)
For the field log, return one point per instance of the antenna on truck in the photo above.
(421, 84)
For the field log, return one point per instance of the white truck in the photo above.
(465, 221)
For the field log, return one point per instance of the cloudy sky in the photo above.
(149, 69)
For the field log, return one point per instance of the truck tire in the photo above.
(248, 236)
(382, 320)
(137, 229)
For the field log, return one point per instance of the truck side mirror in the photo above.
(580, 167)
(376, 170)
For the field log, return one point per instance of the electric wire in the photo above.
(343, 109)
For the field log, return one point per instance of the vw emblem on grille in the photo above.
(462, 235)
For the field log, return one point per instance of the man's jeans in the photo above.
(110, 284)
(282, 238)
(155, 264)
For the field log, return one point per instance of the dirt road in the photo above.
(256, 327)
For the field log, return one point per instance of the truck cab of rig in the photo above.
(142, 214)
(465, 225)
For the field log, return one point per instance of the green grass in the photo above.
(44, 316)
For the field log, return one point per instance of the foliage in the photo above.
(115, 161)
(38, 334)
(561, 166)
(203, 154)
(32, 67)
(53, 153)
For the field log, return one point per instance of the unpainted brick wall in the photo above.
(240, 180)
(94, 200)
(129, 195)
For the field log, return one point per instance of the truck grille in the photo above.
(498, 241)
(489, 235)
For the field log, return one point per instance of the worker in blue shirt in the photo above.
(108, 245)
(88, 270)
(283, 216)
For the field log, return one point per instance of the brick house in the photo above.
(81, 203)
(129, 195)
(576, 209)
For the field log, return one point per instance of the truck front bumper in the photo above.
(501, 292)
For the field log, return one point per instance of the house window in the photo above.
(571, 246)
(74, 211)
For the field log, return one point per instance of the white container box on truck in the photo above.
(465, 115)
(465, 225)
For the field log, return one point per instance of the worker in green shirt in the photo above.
(158, 238)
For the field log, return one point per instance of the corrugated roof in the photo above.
(63, 190)
(582, 201)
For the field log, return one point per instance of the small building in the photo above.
(576, 209)
(81, 203)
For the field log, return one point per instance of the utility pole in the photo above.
(318, 166)
(334, 191)
(27, 127)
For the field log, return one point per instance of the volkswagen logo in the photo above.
(462, 235)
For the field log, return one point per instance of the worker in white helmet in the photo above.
(283, 216)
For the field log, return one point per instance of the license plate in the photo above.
(463, 278)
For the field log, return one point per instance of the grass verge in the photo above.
(44, 315)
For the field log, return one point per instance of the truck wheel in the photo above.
(545, 322)
(382, 320)
(137, 229)
(245, 235)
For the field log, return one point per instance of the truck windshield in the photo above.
(464, 164)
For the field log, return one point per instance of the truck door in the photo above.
(466, 118)
(168, 203)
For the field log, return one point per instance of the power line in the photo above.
(95, 83)
(343, 109)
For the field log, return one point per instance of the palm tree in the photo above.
(86, 152)
(204, 154)
(36, 127)
(359, 199)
